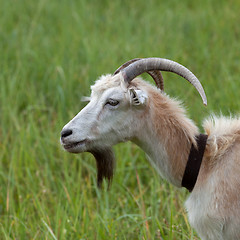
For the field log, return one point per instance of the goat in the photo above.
(123, 107)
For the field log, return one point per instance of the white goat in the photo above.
(123, 108)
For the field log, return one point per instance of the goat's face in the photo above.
(109, 117)
(115, 109)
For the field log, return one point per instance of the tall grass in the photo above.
(50, 53)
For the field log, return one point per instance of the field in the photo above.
(50, 54)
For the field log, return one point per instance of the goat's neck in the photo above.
(166, 136)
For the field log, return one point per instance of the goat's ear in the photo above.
(85, 99)
(138, 97)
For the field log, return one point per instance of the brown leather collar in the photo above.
(194, 162)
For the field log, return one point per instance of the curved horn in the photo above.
(155, 74)
(161, 64)
(158, 78)
(126, 64)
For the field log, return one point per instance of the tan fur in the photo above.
(218, 184)
(176, 131)
(172, 128)
(223, 137)
(214, 204)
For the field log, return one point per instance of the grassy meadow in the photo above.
(50, 54)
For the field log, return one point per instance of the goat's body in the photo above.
(160, 127)
(214, 204)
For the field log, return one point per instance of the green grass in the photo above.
(50, 54)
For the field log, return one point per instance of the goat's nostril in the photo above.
(65, 133)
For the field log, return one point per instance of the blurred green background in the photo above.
(50, 54)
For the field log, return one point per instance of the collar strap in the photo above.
(194, 162)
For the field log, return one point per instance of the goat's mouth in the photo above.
(75, 147)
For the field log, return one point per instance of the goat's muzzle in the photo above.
(70, 144)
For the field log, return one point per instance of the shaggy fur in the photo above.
(214, 205)
(105, 162)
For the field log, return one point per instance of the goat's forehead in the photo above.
(105, 82)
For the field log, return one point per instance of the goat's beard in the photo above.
(105, 162)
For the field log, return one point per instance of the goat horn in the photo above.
(155, 74)
(161, 64)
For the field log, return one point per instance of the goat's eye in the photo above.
(112, 102)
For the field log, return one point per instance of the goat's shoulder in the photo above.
(220, 171)
(215, 201)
